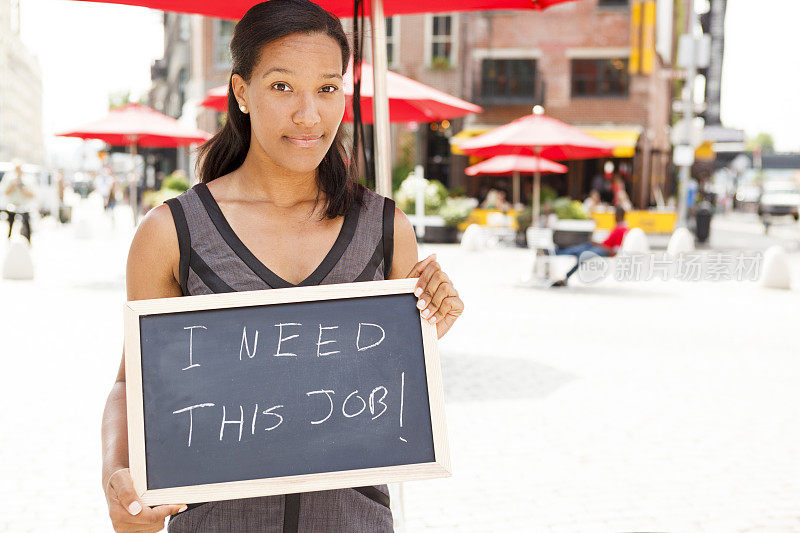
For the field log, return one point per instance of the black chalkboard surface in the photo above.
(284, 390)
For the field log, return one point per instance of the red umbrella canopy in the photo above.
(234, 9)
(409, 100)
(555, 139)
(140, 125)
(508, 164)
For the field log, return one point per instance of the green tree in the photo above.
(762, 141)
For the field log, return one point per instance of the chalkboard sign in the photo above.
(277, 391)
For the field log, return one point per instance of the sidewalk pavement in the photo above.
(617, 406)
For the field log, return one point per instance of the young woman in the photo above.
(276, 207)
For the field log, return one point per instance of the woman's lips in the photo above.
(304, 143)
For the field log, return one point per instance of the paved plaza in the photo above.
(617, 406)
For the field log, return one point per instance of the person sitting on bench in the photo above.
(607, 248)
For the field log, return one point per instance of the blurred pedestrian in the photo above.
(592, 202)
(607, 248)
(620, 194)
(19, 198)
(496, 200)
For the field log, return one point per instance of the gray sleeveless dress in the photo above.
(213, 260)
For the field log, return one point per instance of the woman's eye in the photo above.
(332, 87)
(280, 83)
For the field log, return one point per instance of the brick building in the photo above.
(574, 59)
(196, 59)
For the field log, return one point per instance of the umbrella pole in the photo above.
(133, 184)
(537, 183)
(516, 187)
(380, 103)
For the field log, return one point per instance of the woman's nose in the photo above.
(307, 113)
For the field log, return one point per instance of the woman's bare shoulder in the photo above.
(153, 258)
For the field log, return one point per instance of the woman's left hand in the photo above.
(438, 300)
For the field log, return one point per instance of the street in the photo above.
(616, 406)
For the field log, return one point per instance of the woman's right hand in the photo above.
(127, 513)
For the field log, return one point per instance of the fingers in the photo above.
(126, 511)
(450, 309)
(438, 300)
(437, 287)
(148, 519)
(121, 486)
(417, 269)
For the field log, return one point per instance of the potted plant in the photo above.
(441, 63)
(573, 225)
(454, 211)
(172, 186)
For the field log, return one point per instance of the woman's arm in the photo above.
(438, 299)
(151, 272)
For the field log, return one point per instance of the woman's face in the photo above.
(295, 99)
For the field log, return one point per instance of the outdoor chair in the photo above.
(540, 240)
(499, 230)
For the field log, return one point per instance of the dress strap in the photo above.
(388, 236)
(184, 242)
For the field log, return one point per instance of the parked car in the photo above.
(778, 198)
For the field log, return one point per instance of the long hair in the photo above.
(226, 151)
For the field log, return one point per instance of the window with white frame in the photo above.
(442, 40)
(600, 77)
(508, 80)
(392, 38)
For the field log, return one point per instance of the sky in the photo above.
(87, 50)
(761, 70)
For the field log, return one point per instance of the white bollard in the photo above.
(474, 238)
(775, 273)
(634, 242)
(681, 242)
(18, 263)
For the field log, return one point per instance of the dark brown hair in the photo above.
(226, 151)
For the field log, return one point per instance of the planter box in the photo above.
(440, 234)
(572, 232)
(435, 230)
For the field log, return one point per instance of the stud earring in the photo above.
(243, 108)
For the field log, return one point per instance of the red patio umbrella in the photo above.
(539, 135)
(409, 100)
(503, 165)
(136, 125)
(234, 9)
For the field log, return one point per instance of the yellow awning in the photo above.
(705, 152)
(464, 134)
(624, 139)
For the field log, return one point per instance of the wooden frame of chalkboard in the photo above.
(135, 312)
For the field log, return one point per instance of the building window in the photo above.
(600, 77)
(223, 31)
(508, 80)
(442, 50)
(391, 39)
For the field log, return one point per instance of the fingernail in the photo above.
(425, 313)
(182, 509)
(421, 304)
(135, 508)
(433, 320)
(417, 291)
